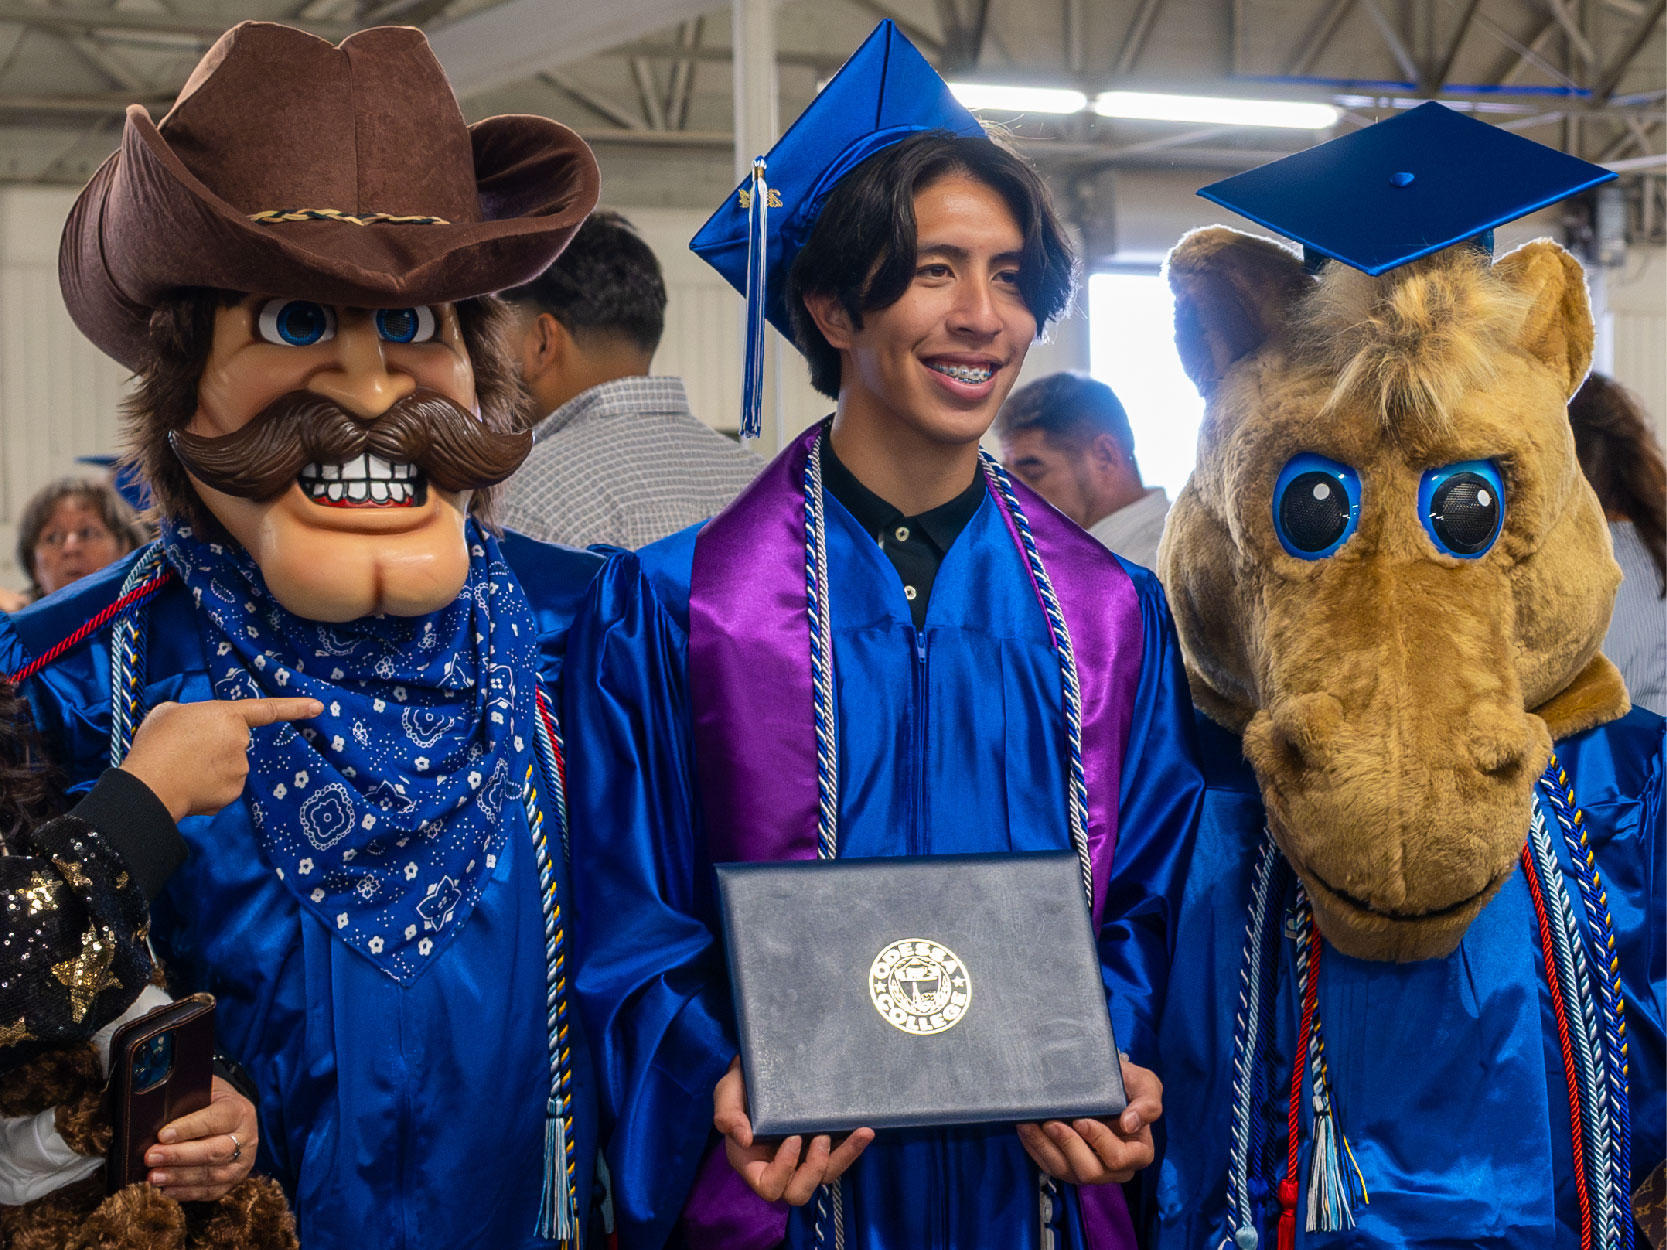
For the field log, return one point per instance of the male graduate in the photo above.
(323, 407)
(856, 658)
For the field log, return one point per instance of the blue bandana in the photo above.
(385, 815)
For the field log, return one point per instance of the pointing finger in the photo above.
(265, 711)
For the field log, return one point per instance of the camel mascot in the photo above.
(1417, 998)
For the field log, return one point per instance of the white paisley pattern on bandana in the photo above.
(385, 816)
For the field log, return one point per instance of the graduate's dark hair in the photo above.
(862, 247)
(605, 284)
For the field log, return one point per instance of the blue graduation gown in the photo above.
(1447, 1075)
(394, 1117)
(950, 742)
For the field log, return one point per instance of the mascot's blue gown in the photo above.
(960, 753)
(1447, 1074)
(395, 1118)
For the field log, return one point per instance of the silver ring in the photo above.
(237, 1147)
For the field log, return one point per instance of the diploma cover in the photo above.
(917, 991)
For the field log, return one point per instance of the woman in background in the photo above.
(70, 528)
(1623, 462)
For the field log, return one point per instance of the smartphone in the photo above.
(161, 1067)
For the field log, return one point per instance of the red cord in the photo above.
(555, 739)
(98, 622)
(1289, 1187)
(1552, 984)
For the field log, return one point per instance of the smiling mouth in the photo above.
(1407, 917)
(366, 481)
(972, 375)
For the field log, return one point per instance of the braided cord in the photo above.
(1606, 979)
(1579, 1115)
(1250, 1043)
(558, 1213)
(276, 216)
(127, 650)
(823, 706)
(1077, 793)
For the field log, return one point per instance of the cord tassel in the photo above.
(758, 251)
(1329, 1207)
(555, 1220)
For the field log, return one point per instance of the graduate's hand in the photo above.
(194, 756)
(788, 1171)
(200, 1156)
(1092, 1152)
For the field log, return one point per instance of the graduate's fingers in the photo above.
(1121, 1157)
(845, 1154)
(1145, 1093)
(256, 712)
(802, 1185)
(729, 1107)
(197, 1184)
(202, 1152)
(769, 1178)
(1085, 1166)
(1043, 1153)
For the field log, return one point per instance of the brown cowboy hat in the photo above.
(292, 166)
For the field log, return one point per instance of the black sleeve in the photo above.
(133, 821)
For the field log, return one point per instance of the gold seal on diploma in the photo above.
(919, 986)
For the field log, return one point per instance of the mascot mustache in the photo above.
(446, 441)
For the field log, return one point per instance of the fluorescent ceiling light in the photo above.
(1215, 110)
(1002, 99)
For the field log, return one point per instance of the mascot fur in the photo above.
(1426, 790)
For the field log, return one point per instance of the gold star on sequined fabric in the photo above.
(88, 974)
(41, 893)
(73, 873)
(12, 1034)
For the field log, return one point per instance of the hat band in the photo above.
(274, 215)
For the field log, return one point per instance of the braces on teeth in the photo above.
(364, 479)
(966, 373)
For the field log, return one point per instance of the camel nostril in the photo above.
(1301, 733)
(1503, 746)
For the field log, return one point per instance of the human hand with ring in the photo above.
(199, 1157)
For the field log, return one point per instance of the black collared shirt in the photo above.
(915, 545)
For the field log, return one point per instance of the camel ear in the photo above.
(1557, 330)
(1232, 291)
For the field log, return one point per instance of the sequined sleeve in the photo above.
(73, 946)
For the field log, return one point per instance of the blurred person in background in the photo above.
(1623, 462)
(1067, 437)
(70, 528)
(618, 458)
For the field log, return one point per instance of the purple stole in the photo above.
(755, 742)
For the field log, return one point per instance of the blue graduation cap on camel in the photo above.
(1407, 186)
(882, 95)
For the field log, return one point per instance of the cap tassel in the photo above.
(752, 384)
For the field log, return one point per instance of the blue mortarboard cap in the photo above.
(883, 94)
(1404, 187)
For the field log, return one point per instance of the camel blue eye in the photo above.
(296, 322)
(1316, 506)
(1463, 507)
(405, 325)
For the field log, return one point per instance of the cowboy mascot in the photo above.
(294, 262)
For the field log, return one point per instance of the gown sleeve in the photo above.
(650, 979)
(1162, 789)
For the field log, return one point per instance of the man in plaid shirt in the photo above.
(619, 458)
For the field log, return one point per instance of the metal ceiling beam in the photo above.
(922, 38)
(85, 18)
(497, 46)
(1577, 37)
(1392, 38)
(1319, 34)
(1140, 26)
(1440, 72)
(584, 96)
(1612, 73)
